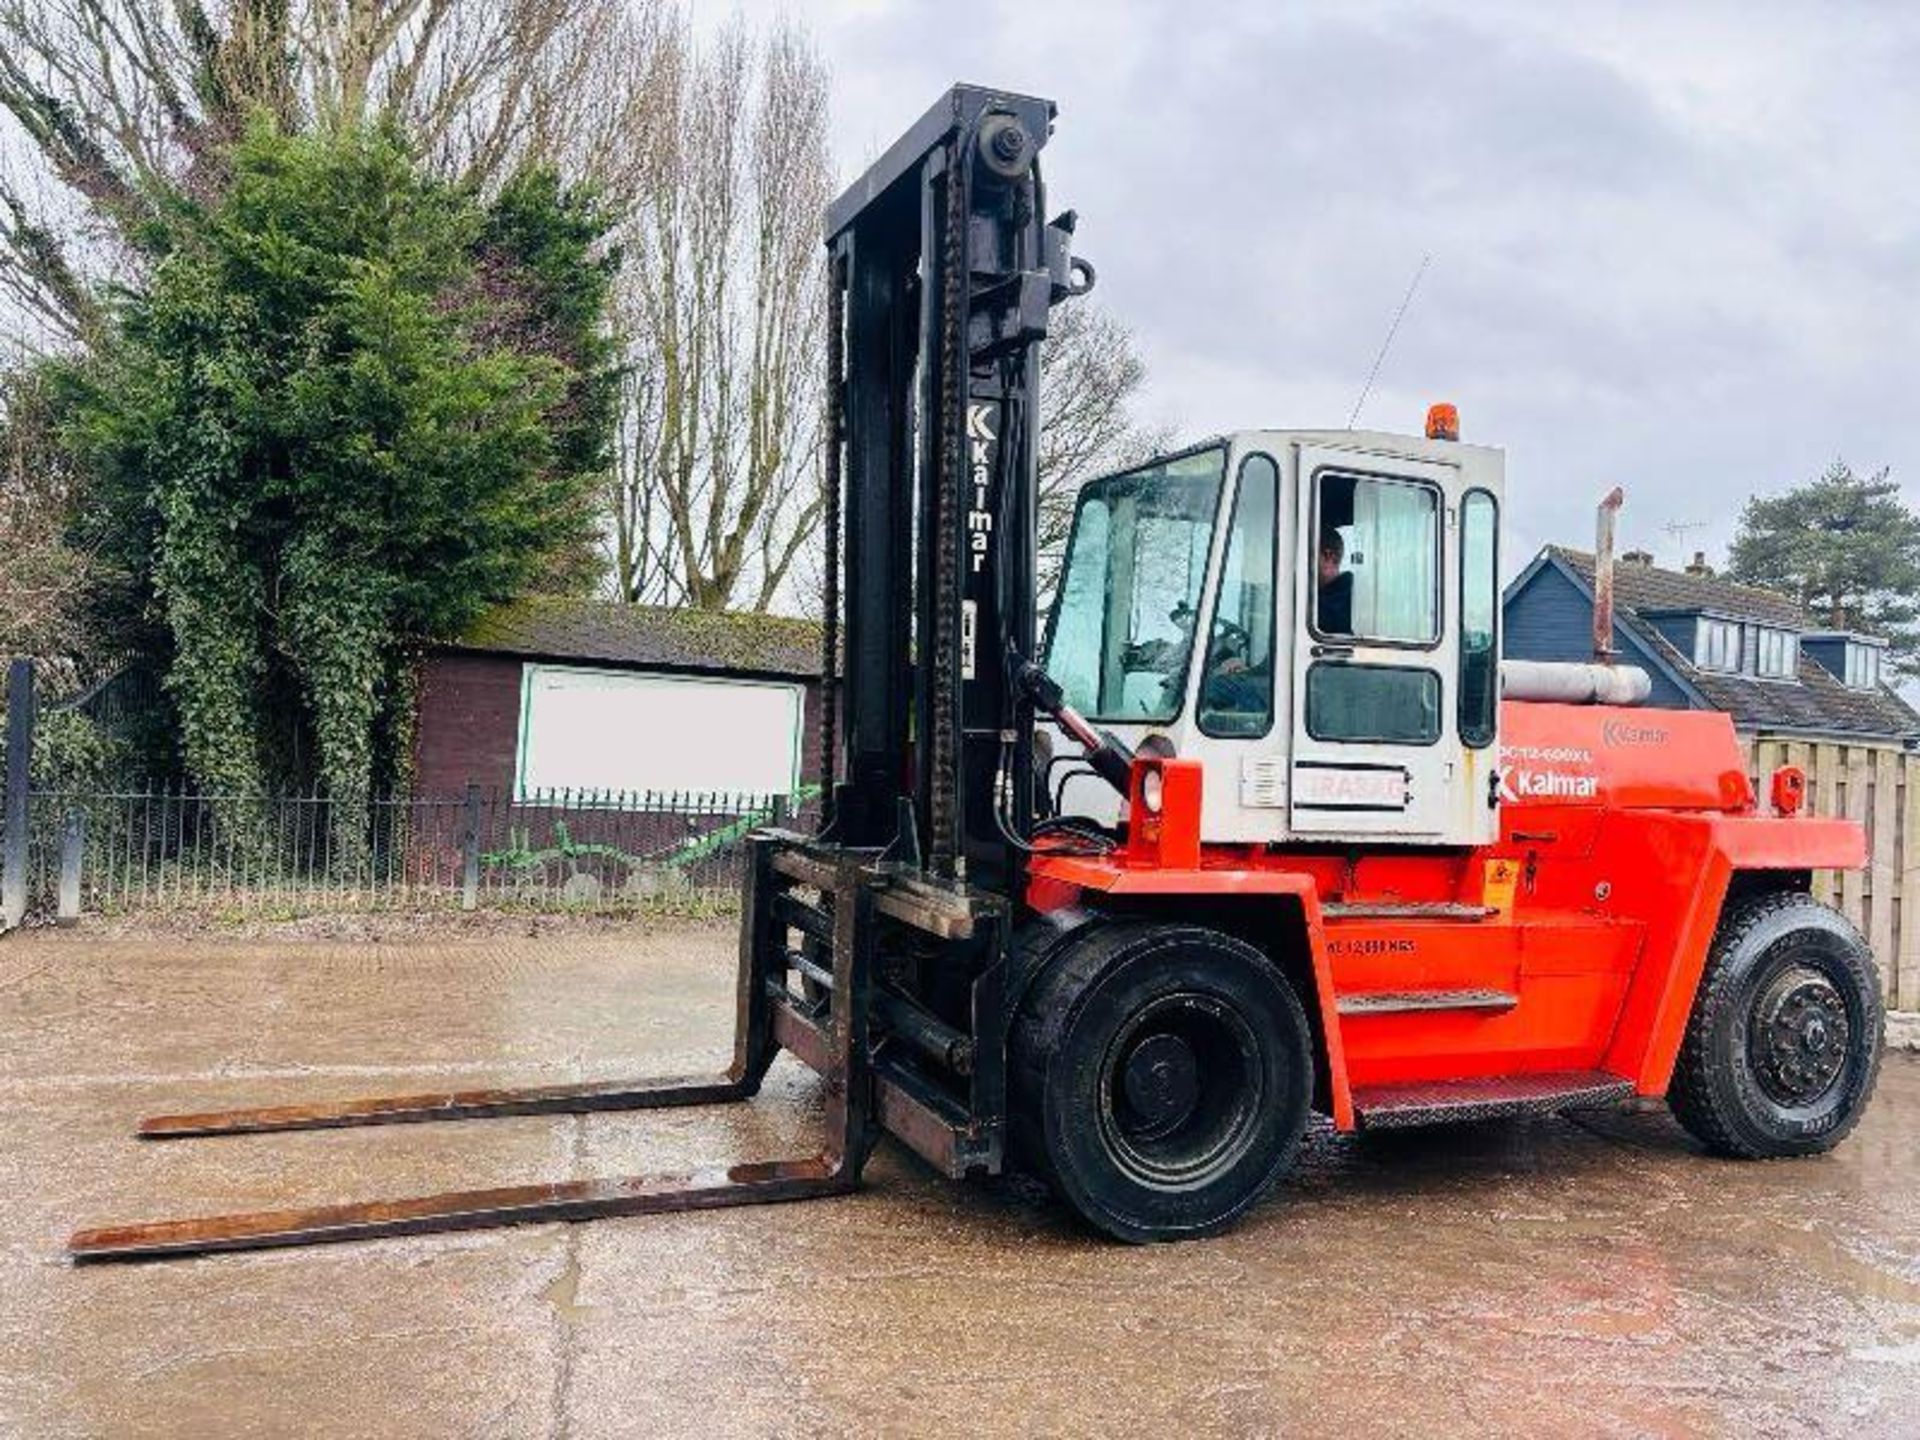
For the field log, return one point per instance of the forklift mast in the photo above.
(942, 272)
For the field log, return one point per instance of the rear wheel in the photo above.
(1163, 1076)
(1783, 1045)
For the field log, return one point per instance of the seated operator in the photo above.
(1172, 656)
(1334, 613)
(1232, 690)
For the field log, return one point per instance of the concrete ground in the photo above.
(1546, 1277)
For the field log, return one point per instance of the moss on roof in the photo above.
(651, 636)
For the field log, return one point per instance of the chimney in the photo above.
(1643, 559)
(1699, 565)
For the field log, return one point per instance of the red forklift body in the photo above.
(1573, 945)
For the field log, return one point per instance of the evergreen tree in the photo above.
(354, 405)
(1846, 547)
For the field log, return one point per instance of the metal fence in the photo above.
(173, 848)
(70, 847)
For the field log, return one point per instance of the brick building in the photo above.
(550, 697)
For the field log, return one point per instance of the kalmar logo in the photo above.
(1626, 732)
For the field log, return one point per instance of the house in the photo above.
(1711, 644)
(553, 697)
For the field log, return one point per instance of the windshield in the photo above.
(1123, 623)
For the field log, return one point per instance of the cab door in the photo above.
(1376, 750)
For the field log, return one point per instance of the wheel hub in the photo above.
(1800, 1036)
(1181, 1089)
(1162, 1083)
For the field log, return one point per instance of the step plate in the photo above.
(1447, 1102)
(1398, 1002)
(1404, 910)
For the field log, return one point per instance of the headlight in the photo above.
(1150, 789)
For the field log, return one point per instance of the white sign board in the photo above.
(611, 730)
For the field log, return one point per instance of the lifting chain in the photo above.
(830, 518)
(944, 762)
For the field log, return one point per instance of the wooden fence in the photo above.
(1878, 785)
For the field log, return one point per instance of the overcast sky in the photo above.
(1675, 247)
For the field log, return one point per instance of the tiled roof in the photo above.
(1820, 702)
(655, 637)
(1651, 590)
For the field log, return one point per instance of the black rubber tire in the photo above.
(1078, 1042)
(1719, 1092)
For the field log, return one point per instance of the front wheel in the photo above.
(1783, 1046)
(1163, 1075)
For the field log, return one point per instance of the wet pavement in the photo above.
(1598, 1277)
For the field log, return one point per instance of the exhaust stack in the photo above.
(1603, 651)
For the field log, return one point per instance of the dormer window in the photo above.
(1730, 647)
(1716, 645)
(1856, 661)
(1863, 666)
(1776, 653)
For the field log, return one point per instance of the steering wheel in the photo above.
(1236, 635)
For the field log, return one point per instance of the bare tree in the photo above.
(715, 154)
(123, 105)
(716, 498)
(716, 494)
(1091, 378)
(42, 576)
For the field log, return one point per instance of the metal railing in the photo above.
(174, 848)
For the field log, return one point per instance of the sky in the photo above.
(1673, 247)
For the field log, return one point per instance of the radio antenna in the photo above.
(1387, 344)
(1680, 529)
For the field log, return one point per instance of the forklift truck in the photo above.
(1256, 835)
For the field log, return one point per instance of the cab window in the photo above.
(1236, 686)
(1479, 617)
(1373, 704)
(1122, 634)
(1377, 560)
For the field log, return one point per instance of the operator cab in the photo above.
(1311, 614)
